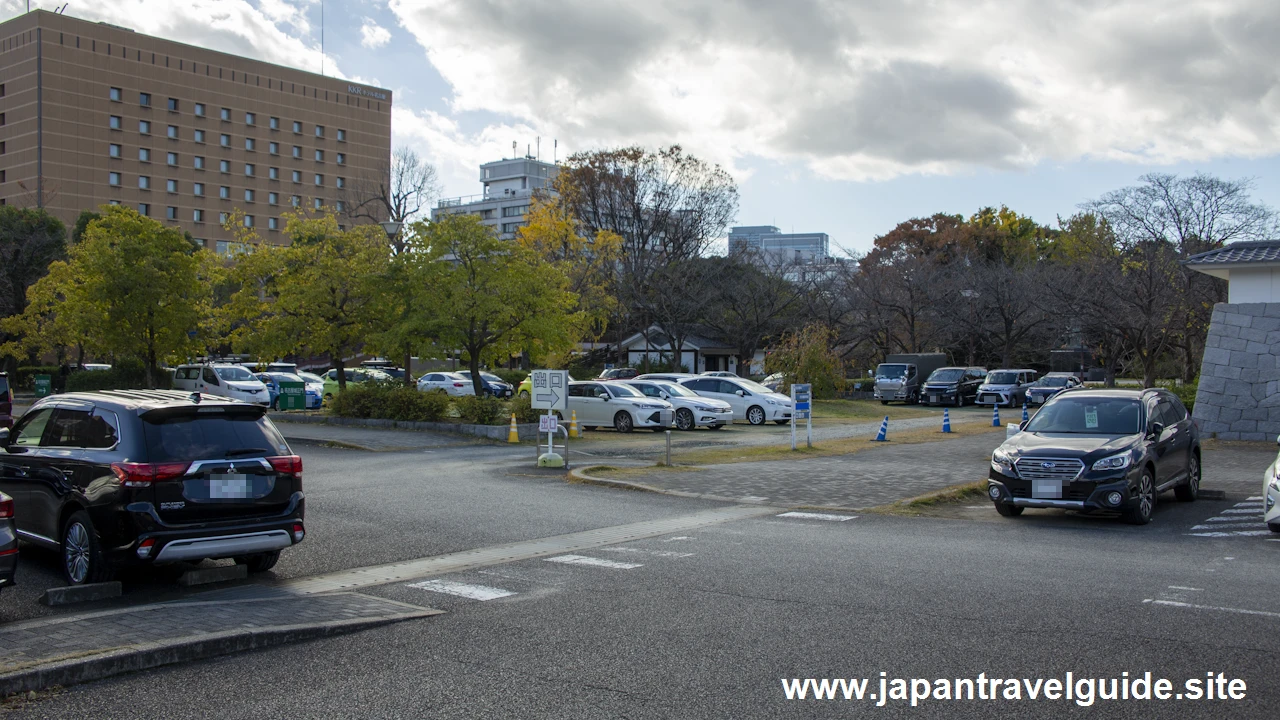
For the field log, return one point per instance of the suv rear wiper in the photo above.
(245, 451)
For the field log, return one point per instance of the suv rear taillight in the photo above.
(287, 464)
(137, 475)
(6, 509)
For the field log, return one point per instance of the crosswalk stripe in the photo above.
(474, 592)
(1255, 497)
(1226, 519)
(1221, 526)
(593, 562)
(657, 553)
(1243, 511)
(817, 516)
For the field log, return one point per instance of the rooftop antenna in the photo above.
(322, 37)
(527, 154)
(555, 147)
(514, 145)
(538, 140)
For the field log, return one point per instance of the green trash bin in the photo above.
(293, 396)
(44, 385)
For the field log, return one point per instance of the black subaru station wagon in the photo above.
(1099, 450)
(151, 476)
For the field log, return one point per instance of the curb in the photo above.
(317, 442)
(498, 433)
(181, 650)
(580, 474)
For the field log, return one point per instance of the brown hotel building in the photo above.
(92, 113)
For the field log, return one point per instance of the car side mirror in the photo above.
(665, 396)
(4, 438)
(1157, 428)
(1023, 425)
(740, 393)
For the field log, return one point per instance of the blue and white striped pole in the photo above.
(883, 435)
(995, 415)
(946, 421)
(1025, 417)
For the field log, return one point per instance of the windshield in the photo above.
(1002, 378)
(285, 377)
(234, 372)
(676, 390)
(310, 378)
(625, 391)
(753, 386)
(947, 375)
(1089, 415)
(1052, 382)
(891, 372)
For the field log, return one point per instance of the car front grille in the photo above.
(1034, 468)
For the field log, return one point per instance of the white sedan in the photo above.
(691, 409)
(719, 373)
(451, 384)
(750, 401)
(615, 403)
(1271, 495)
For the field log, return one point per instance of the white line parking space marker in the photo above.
(1255, 497)
(678, 537)
(1224, 526)
(1240, 611)
(1243, 511)
(1227, 519)
(593, 562)
(1182, 587)
(817, 516)
(657, 553)
(474, 592)
(1234, 533)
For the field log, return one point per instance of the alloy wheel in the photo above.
(684, 419)
(755, 415)
(622, 422)
(76, 550)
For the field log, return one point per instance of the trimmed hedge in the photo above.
(480, 410)
(389, 402)
(123, 375)
(1186, 392)
(522, 408)
(24, 377)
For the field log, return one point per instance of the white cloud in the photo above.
(871, 90)
(373, 35)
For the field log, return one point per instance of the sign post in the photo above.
(549, 391)
(800, 407)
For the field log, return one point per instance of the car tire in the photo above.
(684, 419)
(259, 562)
(82, 560)
(275, 404)
(1142, 512)
(524, 393)
(1274, 527)
(1190, 490)
(755, 415)
(622, 422)
(959, 399)
(1007, 510)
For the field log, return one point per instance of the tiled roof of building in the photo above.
(1237, 253)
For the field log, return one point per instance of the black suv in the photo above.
(953, 386)
(6, 402)
(151, 476)
(1099, 450)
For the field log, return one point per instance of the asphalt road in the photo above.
(707, 623)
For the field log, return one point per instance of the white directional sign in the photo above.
(550, 389)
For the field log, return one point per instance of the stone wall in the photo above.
(1239, 393)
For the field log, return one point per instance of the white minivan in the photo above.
(224, 379)
(750, 401)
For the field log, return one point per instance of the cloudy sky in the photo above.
(839, 117)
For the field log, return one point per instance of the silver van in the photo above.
(1006, 387)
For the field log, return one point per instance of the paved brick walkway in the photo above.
(872, 477)
(62, 637)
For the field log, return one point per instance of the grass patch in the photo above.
(866, 410)
(953, 495)
(828, 448)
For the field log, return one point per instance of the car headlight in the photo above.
(1002, 460)
(771, 401)
(701, 408)
(1115, 462)
(648, 406)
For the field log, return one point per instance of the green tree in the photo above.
(132, 288)
(324, 293)
(806, 357)
(496, 297)
(30, 239)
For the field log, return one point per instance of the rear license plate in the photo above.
(933, 399)
(228, 486)
(1046, 489)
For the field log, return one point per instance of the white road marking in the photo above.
(678, 537)
(1240, 611)
(817, 516)
(752, 498)
(474, 592)
(1180, 587)
(1249, 511)
(1223, 526)
(1248, 505)
(593, 562)
(1255, 497)
(1234, 533)
(657, 553)
(1225, 519)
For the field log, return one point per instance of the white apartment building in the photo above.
(509, 186)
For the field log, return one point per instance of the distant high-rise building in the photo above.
(509, 186)
(778, 248)
(94, 114)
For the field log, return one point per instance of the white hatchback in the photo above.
(691, 409)
(1271, 495)
(616, 404)
(449, 383)
(750, 401)
(222, 379)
